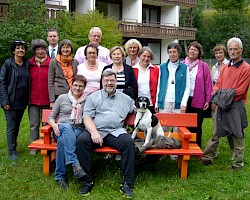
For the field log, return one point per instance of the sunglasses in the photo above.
(20, 41)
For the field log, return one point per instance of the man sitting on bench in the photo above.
(104, 113)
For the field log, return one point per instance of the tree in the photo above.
(26, 21)
(76, 26)
(222, 5)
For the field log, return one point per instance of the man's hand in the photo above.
(96, 138)
(6, 107)
(51, 104)
(213, 106)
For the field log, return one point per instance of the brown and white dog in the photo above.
(145, 121)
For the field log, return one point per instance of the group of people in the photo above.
(91, 94)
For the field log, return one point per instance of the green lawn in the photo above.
(24, 179)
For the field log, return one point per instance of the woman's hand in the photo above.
(56, 129)
(206, 106)
(6, 107)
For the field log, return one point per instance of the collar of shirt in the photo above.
(106, 95)
(235, 64)
(138, 66)
(225, 61)
(50, 48)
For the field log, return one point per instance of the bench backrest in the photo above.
(170, 119)
(45, 115)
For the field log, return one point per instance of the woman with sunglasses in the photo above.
(14, 92)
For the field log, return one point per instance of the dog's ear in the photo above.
(137, 103)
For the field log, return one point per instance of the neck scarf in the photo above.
(40, 61)
(67, 68)
(77, 108)
(190, 64)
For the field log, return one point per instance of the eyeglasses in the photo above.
(20, 41)
(107, 81)
(76, 85)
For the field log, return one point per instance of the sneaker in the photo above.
(33, 152)
(173, 157)
(86, 188)
(118, 157)
(107, 156)
(63, 185)
(234, 169)
(14, 157)
(78, 171)
(205, 162)
(126, 189)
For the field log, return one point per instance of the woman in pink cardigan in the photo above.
(200, 85)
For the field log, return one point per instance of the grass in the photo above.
(24, 179)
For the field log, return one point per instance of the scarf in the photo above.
(190, 64)
(77, 108)
(67, 68)
(40, 61)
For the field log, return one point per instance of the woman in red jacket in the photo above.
(147, 76)
(39, 95)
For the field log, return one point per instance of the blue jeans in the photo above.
(66, 148)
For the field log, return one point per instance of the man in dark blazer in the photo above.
(53, 39)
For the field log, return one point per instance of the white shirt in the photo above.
(143, 82)
(215, 70)
(50, 50)
(193, 74)
(170, 93)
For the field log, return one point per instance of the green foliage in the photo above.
(76, 26)
(222, 5)
(26, 21)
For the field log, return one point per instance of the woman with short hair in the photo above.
(14, 92)
(39, 94)
(132, 48)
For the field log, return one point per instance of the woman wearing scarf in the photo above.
(68, 110)
(39, 95)
(61, 71)
(200, 86)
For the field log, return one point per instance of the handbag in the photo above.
(206, 113)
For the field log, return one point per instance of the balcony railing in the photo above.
(188, 3)
(52, 10)
(158, 31)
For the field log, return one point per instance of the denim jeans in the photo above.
(66, 148)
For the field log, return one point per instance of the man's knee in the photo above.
(83, 138)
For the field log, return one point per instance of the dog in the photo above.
(146, 121)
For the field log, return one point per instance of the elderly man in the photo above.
(53, 39)
(104, 113)
(95, 37)
(230, 95)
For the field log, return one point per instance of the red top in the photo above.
(153, 81)
(236, 76)
(39, 94)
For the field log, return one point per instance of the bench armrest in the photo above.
(186, 136)
(46, 130)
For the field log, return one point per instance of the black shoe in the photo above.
(234, 169)
(78, 171)
(86, 188)
(62, 183)
(126, 189)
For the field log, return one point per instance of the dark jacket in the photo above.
(130, 80)
(8, 81)
(57, 82)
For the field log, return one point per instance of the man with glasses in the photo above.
(104, 113)
(95, 37)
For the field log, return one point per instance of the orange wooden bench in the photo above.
(182, 120)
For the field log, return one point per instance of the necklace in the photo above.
(91, 67)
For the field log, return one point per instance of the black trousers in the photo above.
(13, 120)
(123, 143)
(197, 129)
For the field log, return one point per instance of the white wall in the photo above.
(164, 45)
(132, 10)
(170, 15)
(83, 6)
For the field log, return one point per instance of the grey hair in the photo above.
(37, 43)
(131, 42)
(109, 72)
(175, 46)
(235, 39)
(146, 48)
(95, 28)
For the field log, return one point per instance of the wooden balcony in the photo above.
(157, 31)
(185, 3)
(52, 10)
